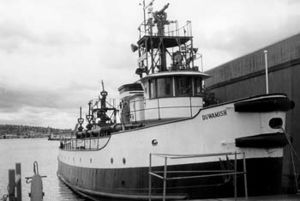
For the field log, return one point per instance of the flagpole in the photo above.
(266, 71)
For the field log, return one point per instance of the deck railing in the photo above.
(172, 29)
(190, 108)
(90, 143)
(204, 173)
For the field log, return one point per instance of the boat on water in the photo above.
(58, 136)
(169, 128)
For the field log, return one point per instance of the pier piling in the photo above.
(18, 182)
(11, 185)
(15, 184)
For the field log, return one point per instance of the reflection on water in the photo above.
(26, 151)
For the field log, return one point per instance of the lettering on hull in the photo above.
(214, 115)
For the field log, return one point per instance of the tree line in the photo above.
(19, 130)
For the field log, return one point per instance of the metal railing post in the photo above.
(90, 141)
(235, 176)
(191, 110)
(158, 109)
(165, 179)
(232, 172)
(245, 176)
(134, 106)
(149, 175)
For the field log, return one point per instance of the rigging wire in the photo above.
(292, 151)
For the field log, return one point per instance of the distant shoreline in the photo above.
(23, 132)
(3, 137)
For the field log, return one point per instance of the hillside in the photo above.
(21, 131)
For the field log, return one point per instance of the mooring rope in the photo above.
(287, 136)
(292, 151)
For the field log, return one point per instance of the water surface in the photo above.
(26, 151)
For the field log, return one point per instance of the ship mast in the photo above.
(163, 46)
(144, 12)
(160, 19)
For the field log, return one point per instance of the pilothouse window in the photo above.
(174, 86)
(152, 91)
(197, 86)
(164, 88)
(183, 86)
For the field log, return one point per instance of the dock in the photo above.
(289, 197)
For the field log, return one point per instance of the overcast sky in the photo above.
(54, 53)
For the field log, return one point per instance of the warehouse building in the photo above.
(245, 76)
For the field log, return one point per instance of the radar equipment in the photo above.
(160, 19)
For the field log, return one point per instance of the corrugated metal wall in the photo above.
(245, 77)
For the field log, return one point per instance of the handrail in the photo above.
(210, 173)
(133, 111)
(177, 156)
(172, 30)
(68, 144)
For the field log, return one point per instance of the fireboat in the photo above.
(167, 139)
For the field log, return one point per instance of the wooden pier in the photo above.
(14, 188)
(15, 184)
(289, 197)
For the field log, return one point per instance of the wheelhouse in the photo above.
(172, 95)
(166, 95)
(169, 85)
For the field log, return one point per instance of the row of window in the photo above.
(174, 86)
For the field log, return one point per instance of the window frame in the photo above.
(170, 83)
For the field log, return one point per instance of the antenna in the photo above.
(144, 12)
(80, 112)
(102, 83)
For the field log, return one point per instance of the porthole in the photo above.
(124, 161)
(111, 160)
(154, 142)
(275, 123)
(91, 160)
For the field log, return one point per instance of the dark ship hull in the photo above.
(264, 178)
(117, 165)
